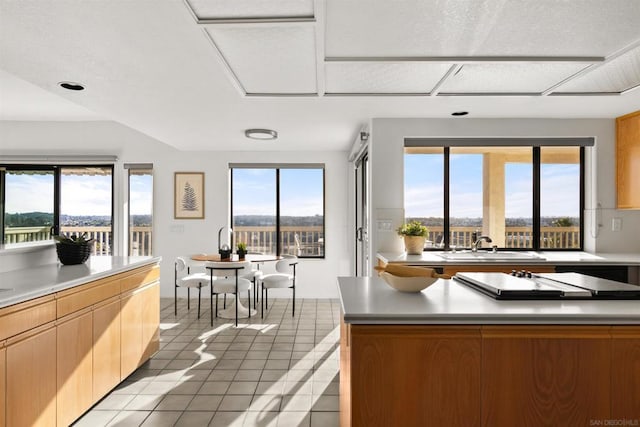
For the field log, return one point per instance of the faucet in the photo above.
(477, 241)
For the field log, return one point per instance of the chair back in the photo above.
(181, 264)
(222, 268)
(284, 265)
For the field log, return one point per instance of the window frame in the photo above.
(57, 183)
(277, 168)
(536, 184)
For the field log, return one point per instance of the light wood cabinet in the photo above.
(131, 333)
(75, 366)
(31, 378)
(106, 347)
(3, 384)
(61, 353)
(628, 161)
(150, 321)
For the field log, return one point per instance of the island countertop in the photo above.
(547, 257)
(369, 300)
(24, 284)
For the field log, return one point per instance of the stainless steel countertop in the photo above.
(369, 300)
(26, 284)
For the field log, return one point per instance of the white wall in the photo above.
(386, 159)
(317, 278)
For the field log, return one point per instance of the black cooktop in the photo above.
(548, 286)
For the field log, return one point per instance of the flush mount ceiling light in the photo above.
(262, 134)
(71, 85)
(459, 113)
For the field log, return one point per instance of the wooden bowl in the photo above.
(408, 284)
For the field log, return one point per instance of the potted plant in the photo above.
(241, 250)
(415, 234)
(74, 249)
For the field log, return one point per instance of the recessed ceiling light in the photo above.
(263, 134)
(459, 113)
(71, 85)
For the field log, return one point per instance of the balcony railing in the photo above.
(310, 239)
(263, 239)
(139, 237)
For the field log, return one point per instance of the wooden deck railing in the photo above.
(263, 239)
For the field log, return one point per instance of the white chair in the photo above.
(229, 280)
(284, 278)
(190, 280)
(255, 275)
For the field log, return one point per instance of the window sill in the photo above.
(26, 247)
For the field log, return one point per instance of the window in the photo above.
(279, 209)
(140, 209)
(523, 197)
(40, 200)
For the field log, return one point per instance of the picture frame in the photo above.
(188, 195)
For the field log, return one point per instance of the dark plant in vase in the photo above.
(241, 250)
(73, 249)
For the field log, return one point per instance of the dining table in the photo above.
(213, 262)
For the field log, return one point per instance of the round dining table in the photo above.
(230, 263)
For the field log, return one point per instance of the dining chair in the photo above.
(190, 280)
(284, 278)
(255, 275)
(229, 280)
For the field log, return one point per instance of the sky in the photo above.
(254, 192)
(424, 184)
(80, 195)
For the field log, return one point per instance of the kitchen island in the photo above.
(453, 356)
(70, 334)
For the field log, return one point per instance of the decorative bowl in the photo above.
(408, 284)
(71, 254)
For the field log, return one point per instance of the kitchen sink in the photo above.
(491, 256)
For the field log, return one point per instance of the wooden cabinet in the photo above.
(31, 378)
(75, 366)
(61, 353)
(413, 376)
(131, 333)
(625, 378)
(106, 347)
(488, 375)
(628, 161)
(140, 317)
(3, 384)
(150, 321)
(548, 375)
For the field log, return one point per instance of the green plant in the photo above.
(242, 247)
(413, 228)
(73, 240)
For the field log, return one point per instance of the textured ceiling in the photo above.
(196, 73)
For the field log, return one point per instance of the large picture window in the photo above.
(522, 197)
(38, 201)
(279, 209)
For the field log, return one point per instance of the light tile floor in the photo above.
(276, 371)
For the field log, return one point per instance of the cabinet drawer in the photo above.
(27, 315)
(87, 295)
(140, 277)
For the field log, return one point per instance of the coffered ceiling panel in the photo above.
(225, 9)
(619, 74)
(276, 59)
(383, 77)
(480, 27)
(509, 77)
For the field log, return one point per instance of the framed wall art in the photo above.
(188, 202)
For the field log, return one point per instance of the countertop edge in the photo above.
(48, 290)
